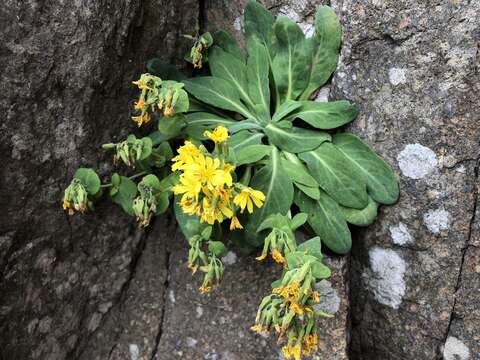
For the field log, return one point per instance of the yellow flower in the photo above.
(316, 296)
(205, 289)
(187, 186)
(66, 205)
(140, 105)
(205, 170)
(261, 257)
(142, 119)
(290, 351)
(142, 83)
(289, 292)
(186, 155)
(310, 344)
(235, 224)
(296, 308)
(247, 198)
(168, 111)
(257, 328)
(219, 134)
(277, 256)
(193, 267)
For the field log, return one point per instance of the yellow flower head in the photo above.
(247, 198)
(292, 351)
(296, 308)
(205, 289)
(140, 105)
(142, 83)
(235, 224)
(186, 155)
(316, 296)
(219, 134)
(261, 257)
(257, 328)
(142, 119)
(277, 256)
(310, 344)
(168, 111)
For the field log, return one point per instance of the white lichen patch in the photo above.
(230, 258)
(454, 349)
(238, 23)
(323, 94)
(191, 342)
(401, 235)
(329, 299)
(417, 161)
(134, 351)
(437, 220)
(385, 278)
(397, 76)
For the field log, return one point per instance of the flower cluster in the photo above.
(206, 184)
(156, 94)
(145, 205)
(279, 243)
(199, 49)
(75, 197)
(289, 311)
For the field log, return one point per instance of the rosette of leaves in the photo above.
(288, 143)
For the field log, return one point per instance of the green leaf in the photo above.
(258, 22)
(182, 104)
(157, 137)
(115, 180)
(312, 247)
(382, 184)
(162, 202)
(205, 118)
(171, 126)
(168, 182)
(336, 175)
(225, 66)
(251, 154)
(327, 220)
(325, 49)
(257, 73)
(217, 92)
(286, 108)
(189, 224)
(296, 259)
(228, 43)
(363, 217)
(243, 139)
(298, 220)
(243, 125)
(89, 179)
(151, 181)
(310, 191)
(278, 190)
(207, 232)
(295, 140)
(164, 70)
(126, 192)
(217, 248)
(277, 221)
(320, 271)
(325, 115)
(297, 171)
(291, 63)
(146, 148)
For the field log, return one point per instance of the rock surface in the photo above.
(93, 287)
(67, 68)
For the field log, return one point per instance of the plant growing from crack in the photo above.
(255, 157)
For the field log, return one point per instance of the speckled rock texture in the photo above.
(412, 66)
(93, 287)
(65, 87)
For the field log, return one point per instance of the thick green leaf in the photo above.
(298, 220)
(320, 271)
(217, 92)
(257, 73)
(291, 63)
(336, 175)
(243, 125)
(225, 66)
(228, 43)
(146, 148)
(157, 137)
(217, 247)
(182, 104)
(89, 179)
(277, 221)
(171, 126)
(312, 247)
(286, 108)
(325, 48)
(206, 118)
(126, 192)
(168, 182)
(327, 220)
(258, 22)
(382, 184)
(251, 154)
(151, 181)
(326, 115)
(310, 191)
(278, 190)
(297, 171)
(162, 202)
(243, 139)
(295, 140)
(363, 217)
(296, 259)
